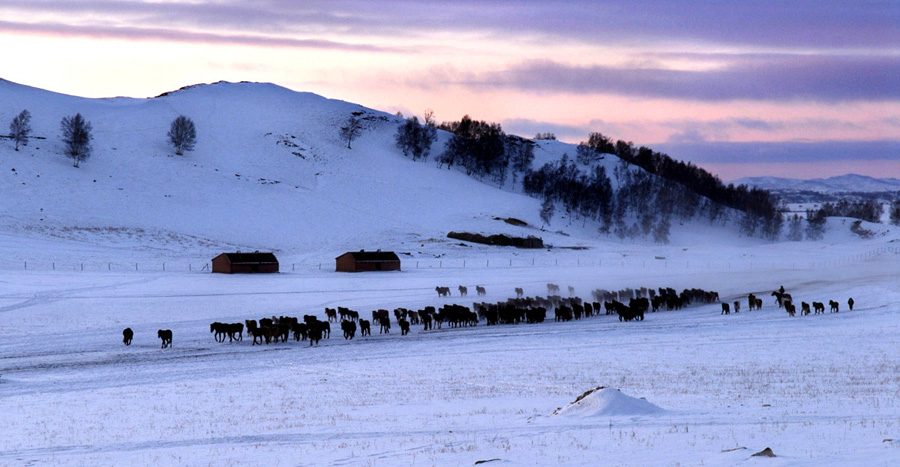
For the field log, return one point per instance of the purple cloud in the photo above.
(701, 152)
(794, 77)
(175, 35)
(808, 24)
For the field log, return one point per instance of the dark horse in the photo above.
(127, 334)
(781, 297)
(349, 328)
(166, 336)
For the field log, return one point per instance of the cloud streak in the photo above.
(779, 152)
(176, 35)
(808, 78)
(808, 24)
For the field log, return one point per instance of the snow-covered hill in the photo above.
(849, 183)
(269, 171)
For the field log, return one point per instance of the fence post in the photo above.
(135, 266)
(53, 266)
(82, 266)
(164, 265)
(108, 266)
(488, 263)
(464, 264)
(417, 265)
(26, 264)
(189, 267)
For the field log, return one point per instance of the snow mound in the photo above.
(608, 402)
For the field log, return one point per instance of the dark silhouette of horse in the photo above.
(781, 297)
(271, 333)
(235, 331)
(300, 330)
(385, 324)
(127, 335)
(571, 291)
(819, 307)
(426, 319)
(835, 307)
(251, 325)
(751, 302)
(519, 292)
(365, 327)
(804, 309)
(331, 314)
(219, 331)
(480, 290)
(315, 334)
(789, 307)
(737, 306)
(443, 291)
(349, 328)
(259, 334)
(725, 309)
(165, 335)
(378, 314)
(552, 289)
(463, 291)
(850, 303)
(404, 327)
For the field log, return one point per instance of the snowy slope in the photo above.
(269, 172)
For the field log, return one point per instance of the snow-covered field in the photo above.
(816, 389)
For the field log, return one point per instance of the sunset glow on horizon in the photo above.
(805, 89)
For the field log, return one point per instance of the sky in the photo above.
(794, 89)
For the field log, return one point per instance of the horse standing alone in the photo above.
(165, 335)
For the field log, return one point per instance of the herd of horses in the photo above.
(628, 304)
(786, 301)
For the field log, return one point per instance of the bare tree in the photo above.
(77, 138)
(182, 135)
(895, 212)
(20, 128)
(351, 130)
(414, 139)
(548, 208)
(795, 229)
(429, 119)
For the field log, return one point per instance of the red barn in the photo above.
(236, 263)
(358, 261)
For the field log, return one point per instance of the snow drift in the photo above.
(608, 402)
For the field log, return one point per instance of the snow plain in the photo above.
(82, 254)
(818, 390)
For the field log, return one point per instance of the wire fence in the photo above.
(655, 263)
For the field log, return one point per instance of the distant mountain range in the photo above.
(850, 183)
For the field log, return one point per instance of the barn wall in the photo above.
(268, 268)
(221, 264)
(345, 263)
